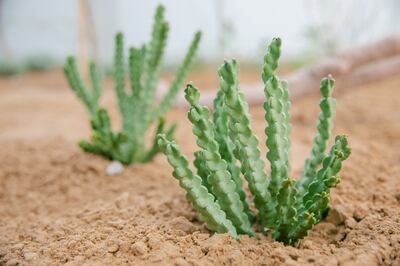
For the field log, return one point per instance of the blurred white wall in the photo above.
(31, 27)
(36, 27)
(252, 22)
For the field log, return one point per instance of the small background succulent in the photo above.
(137, 104)
(286, 207)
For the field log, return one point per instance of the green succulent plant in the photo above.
(137, 104)
(285, 207)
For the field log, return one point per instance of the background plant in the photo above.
(137, 104)
(286, 207)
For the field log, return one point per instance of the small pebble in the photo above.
(114, 168)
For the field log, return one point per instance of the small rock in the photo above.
(12, 262)
(30, 256)
(114, 168)
(139, 248)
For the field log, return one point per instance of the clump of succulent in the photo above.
(137, 104)
(285, 207)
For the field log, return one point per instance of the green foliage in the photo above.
(287, 208)
(8, 68)
(325, 126)
(137, 104)
(39, 63)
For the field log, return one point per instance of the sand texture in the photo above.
(58, 207)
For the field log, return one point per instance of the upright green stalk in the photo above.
(277, 115)
(89, 98)
(276, 132)
(181, 74)
(223, 186)
(197, 194)
(326, 177)
(246, 143)
(325, 125)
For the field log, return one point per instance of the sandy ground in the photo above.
(58, 207)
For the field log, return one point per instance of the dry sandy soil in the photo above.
(57, 205)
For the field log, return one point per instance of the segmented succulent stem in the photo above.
(105, 142)
(277, 116)
(227, 148)
(276, 132)
(271, 59)
(181, 74)
(197, 194)
(136, 61)
(222, 184)
(119, 72)
(326, 177)
(246, 143)
(96, 83)
(325, 125)
(286, 126)
(160, 130)
(305, 221)
(286, 209)
(153, 65)
(89, 99)
(156, 45)
(202, 170)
